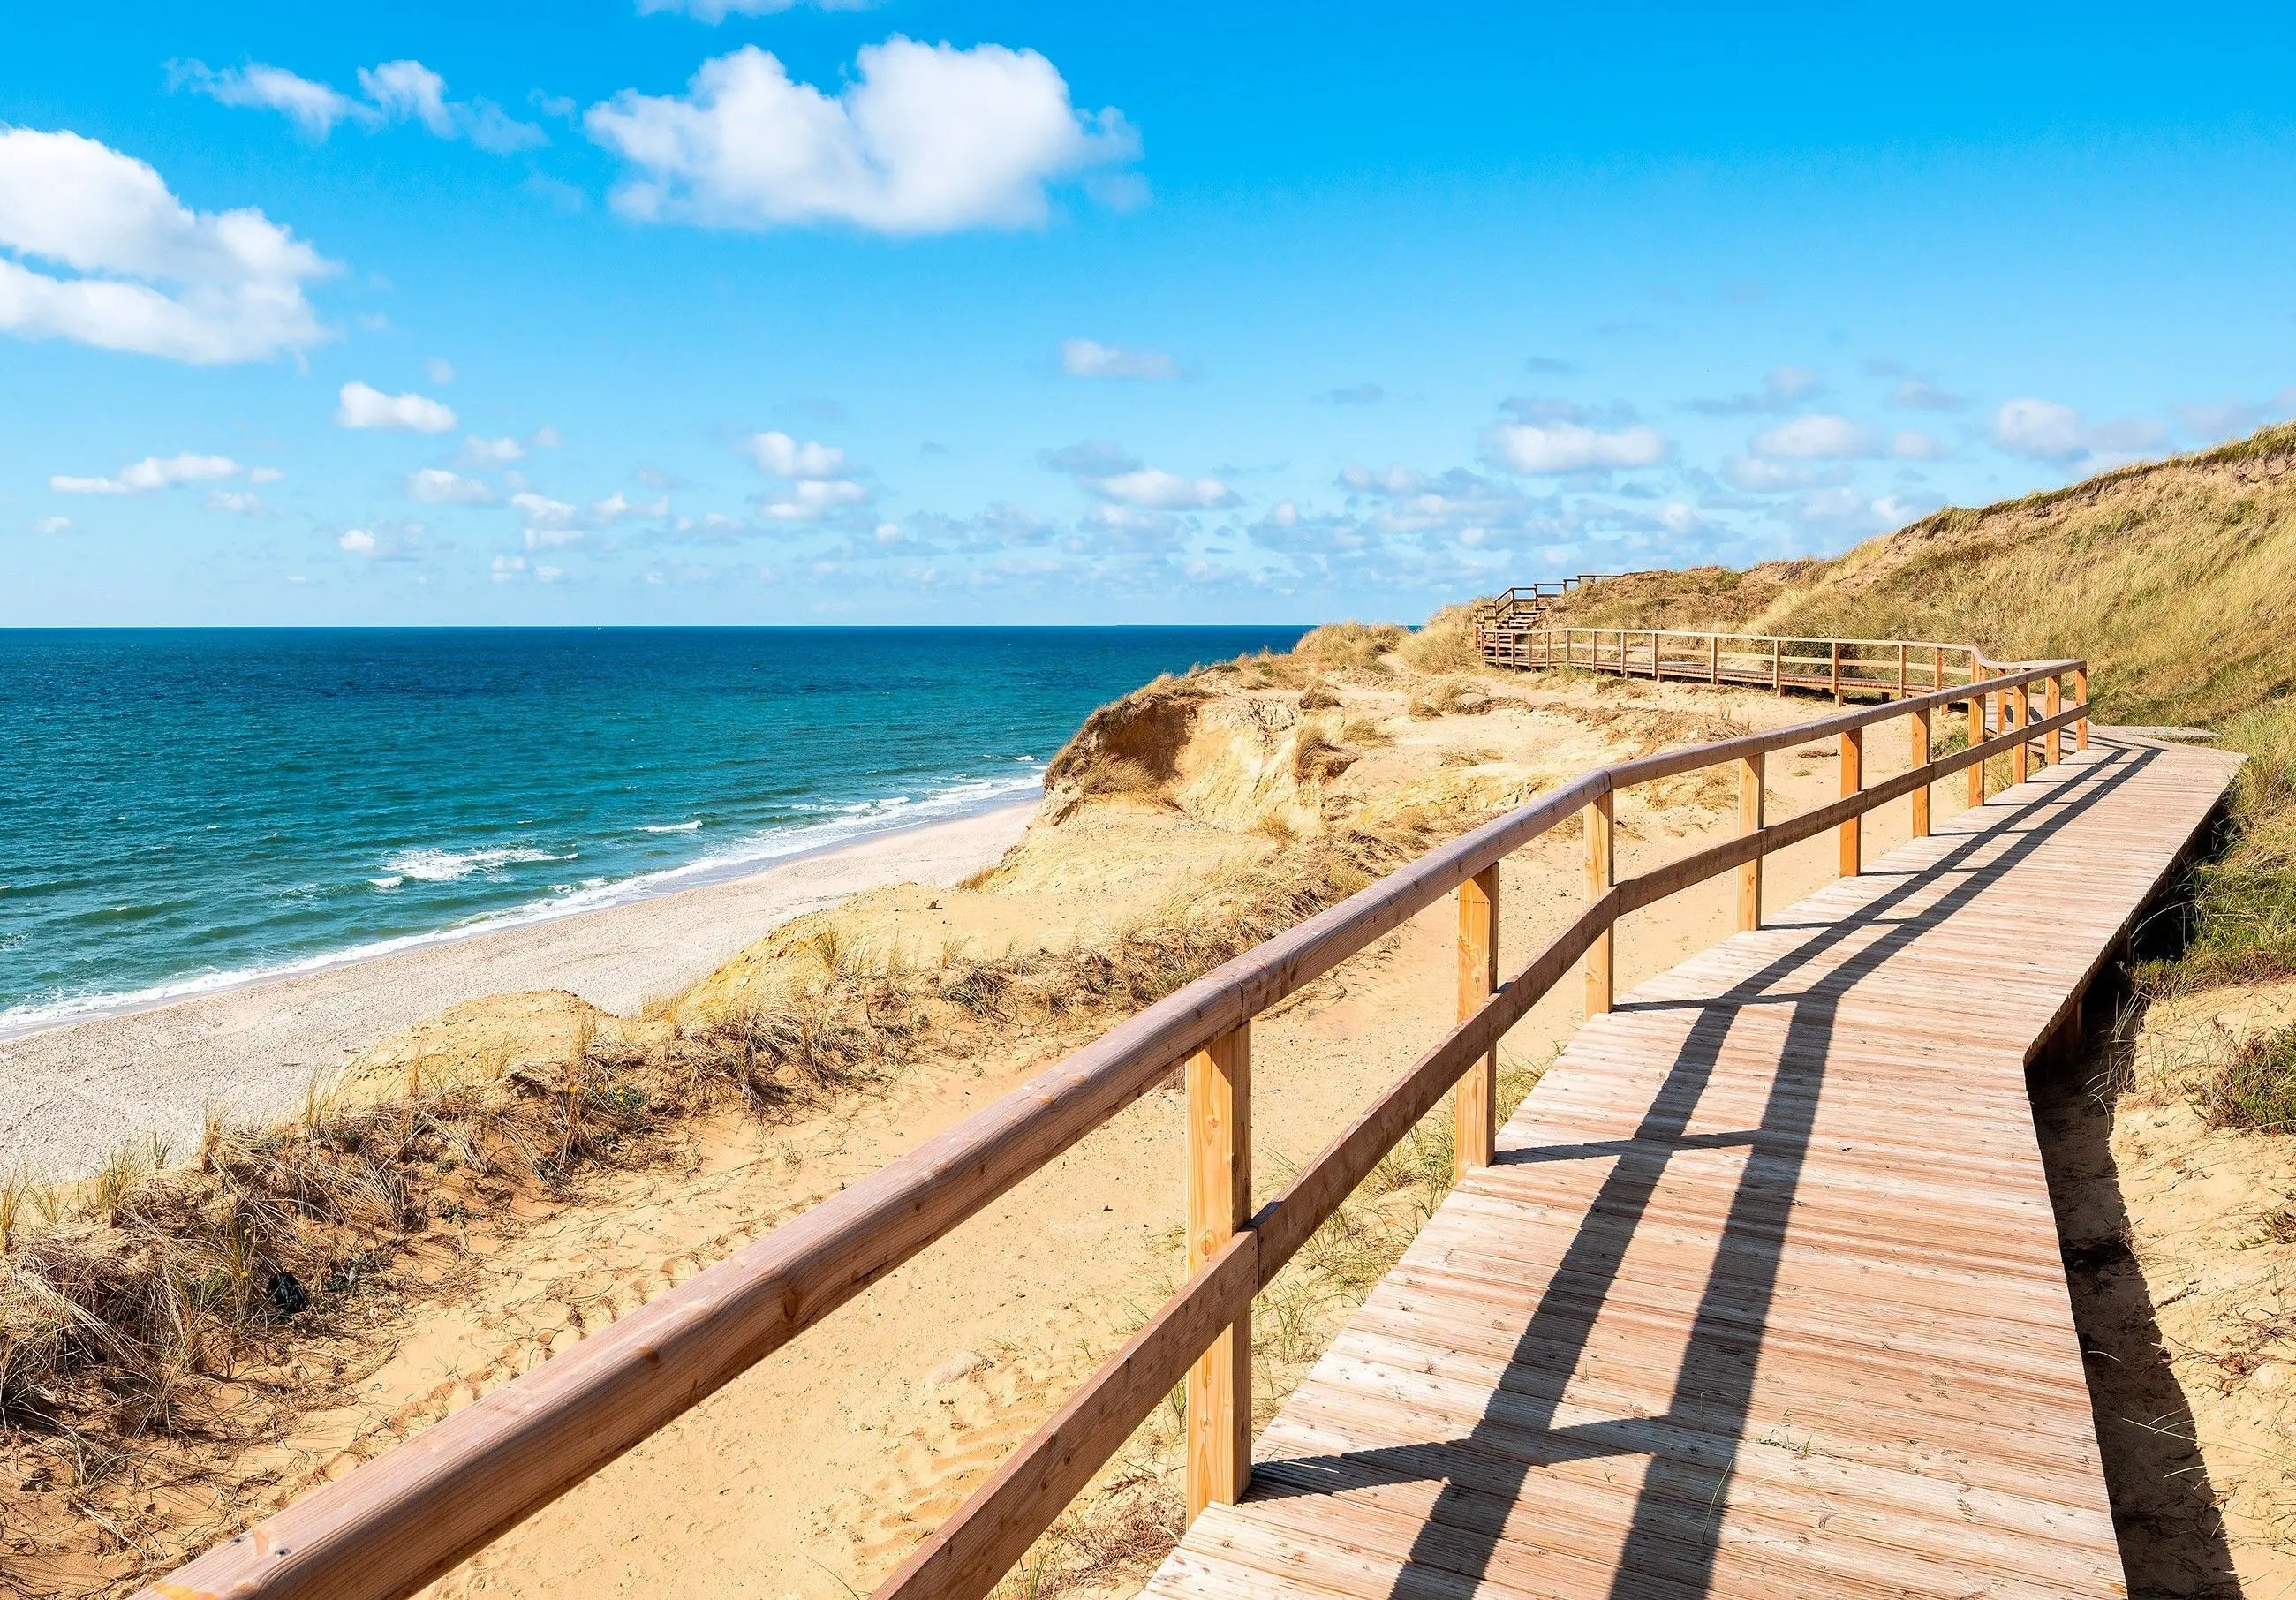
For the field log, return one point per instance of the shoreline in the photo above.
(76, 1090)
(702, 874)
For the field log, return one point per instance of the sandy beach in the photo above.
(72, 1094)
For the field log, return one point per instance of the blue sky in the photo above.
(912, 312)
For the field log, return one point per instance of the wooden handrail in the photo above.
(411, 1514)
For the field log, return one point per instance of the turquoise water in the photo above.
(182, 809)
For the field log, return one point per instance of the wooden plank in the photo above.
(1601, 827)
(1220, 1200)
(1475, 1112)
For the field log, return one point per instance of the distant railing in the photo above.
(1843, 668)
(410, 1515)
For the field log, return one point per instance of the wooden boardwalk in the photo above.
(1763, 1295)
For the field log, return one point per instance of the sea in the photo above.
(183, 810)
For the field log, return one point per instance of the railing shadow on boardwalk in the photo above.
(1677, 1522)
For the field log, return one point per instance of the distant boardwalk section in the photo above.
(1762, 1295)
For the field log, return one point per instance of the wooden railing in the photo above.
(1891, 668)
(410, 1515)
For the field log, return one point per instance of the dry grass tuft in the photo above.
(1363, 646)
(1451, 697)
(1447, 644)
(2256, 1087)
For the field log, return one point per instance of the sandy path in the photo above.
(69, 1096)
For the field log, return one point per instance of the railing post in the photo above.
(2080, 689)
(1601, 873)
(1713, 658)
(1220, 1200)
(1937, 666)
(1749, 821)
(1777, 677)
(1654, 671)
(1475, 1108)
(1837, 672)
(1853, 779)
(1977, 699)
(2053, 700)
(1901, 672)
(1917, 745)
(2020, 754)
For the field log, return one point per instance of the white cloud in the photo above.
(1761, 477)
(1394, 480)
(1151, 489)
(543, 511)
(491, 452)
(1573, 447)
(152, 472)
(357, 541)
(53, 525)
(152, 276)
(2041, 429)
(364, 406)
(314, 106)
(545, 438)
(926, 139)
(714, 11)
(505, 569)
(401, 91)
(547, 574)
(266, 475)
(1817, 436)
(407, 91)
(438, 370)
(785, 457)
(1911, 443)
(552, 538)
(240, 502)
(811, 499)
(436, 486)
(1089, 359)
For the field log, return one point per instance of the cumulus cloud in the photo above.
(2045, 430)
(1911, 443)
(551, 523)
(314, 106)
(150, 275)
(357, 541)
(53, 525)
(244, 503)
(364, 406)
(1151, 489)
(785, 457)
(400, 91)
(1569, 447)
(2038, 428)
(1817, 436)
(436, 486)
(152, 472)
(407, 91)
(1089, 359)
(926, 139)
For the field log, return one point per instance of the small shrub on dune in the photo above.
(1318, 697)
(2257, 1087)
(1362, 645)
(1447, 644)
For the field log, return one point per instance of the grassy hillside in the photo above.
(2176, 579)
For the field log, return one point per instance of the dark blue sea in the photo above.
(182, 809)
